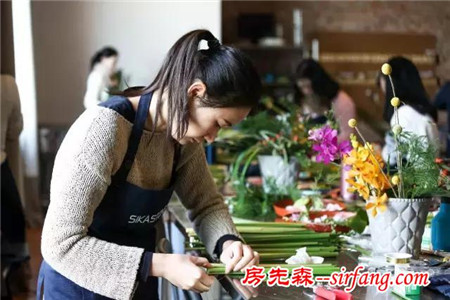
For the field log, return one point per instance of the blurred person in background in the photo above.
(14, 248)
(442, 101)
(318, 93)
(416, 113)
(99, 82)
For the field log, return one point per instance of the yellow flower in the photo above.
(378, 205)
(354, 141)
(397, 129)
(395, 101)
(395, 180)
(363, 153)
(386, 69)
(365, 174)
(362, 189)
(352, 123)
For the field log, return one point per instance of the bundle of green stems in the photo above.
(275, 242)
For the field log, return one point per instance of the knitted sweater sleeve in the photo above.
(81, 175)
(198, 193)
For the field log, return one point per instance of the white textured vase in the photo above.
(282, 172)
(400, 227)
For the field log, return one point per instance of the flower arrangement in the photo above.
(291, 139)
(418, 173)
(284, 135)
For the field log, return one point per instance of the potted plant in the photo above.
(398, 203)
(280, 150)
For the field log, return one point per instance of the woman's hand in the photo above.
(237, 256)
(183, 271)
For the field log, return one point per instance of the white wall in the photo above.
(66, 35)
(25, 79)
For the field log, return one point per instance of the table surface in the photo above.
(348, 259)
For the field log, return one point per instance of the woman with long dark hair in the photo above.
(318, 92)
(102, 67)
(118, 166)
(416, 113)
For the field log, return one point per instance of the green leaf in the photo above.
(359, 222)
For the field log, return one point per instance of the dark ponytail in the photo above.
(104, 52)
(230, 78)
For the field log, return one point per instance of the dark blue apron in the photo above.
(126, 216)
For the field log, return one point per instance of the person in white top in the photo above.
(103, 65)
(416, 114)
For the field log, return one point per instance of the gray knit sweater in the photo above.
(90, 154)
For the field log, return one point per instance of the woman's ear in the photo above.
(197, 90)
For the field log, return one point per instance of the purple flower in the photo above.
(325, 154)
(323, 133)
(345, 147)
(315, 135)
(326, 144)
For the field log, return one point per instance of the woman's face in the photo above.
(305, 86)
(110, 63)
(205, 122)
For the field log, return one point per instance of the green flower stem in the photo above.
(392, 85)
(322, 269)
(399, 158)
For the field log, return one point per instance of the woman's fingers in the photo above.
(231, 256)
(247, 257)
(254, 261)
(201, 261)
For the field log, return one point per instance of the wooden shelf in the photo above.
(371, 82)
(266, 48)
(372, 58)
(354, 59)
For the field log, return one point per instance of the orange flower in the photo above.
(378, 205)
(365, 175)
(362, 189)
